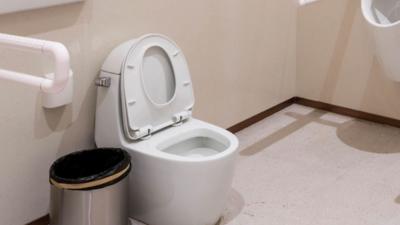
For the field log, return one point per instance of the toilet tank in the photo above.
(108, 125)
(108, 130)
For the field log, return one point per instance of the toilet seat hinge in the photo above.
(143, 133)
(179, 118)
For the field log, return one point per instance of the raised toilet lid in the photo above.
(156, 88)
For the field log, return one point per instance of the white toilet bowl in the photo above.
(182, 167)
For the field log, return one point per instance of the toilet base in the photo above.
(136, 222)
(179, 193)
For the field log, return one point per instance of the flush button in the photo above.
(131, 102)
(103, 82)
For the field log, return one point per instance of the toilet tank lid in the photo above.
(115, 60)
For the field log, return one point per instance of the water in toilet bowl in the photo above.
(196, 147)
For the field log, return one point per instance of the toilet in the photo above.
(182, 167)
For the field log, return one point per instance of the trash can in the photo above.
(90, 187)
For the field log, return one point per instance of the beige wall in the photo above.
(335, 59)
(241, 55)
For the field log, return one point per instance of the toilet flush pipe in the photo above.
(57, 50)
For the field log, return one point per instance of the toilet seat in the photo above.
(143, 114)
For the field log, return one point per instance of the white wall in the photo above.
(242, 55)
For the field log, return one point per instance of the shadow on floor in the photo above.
(235, 206)
(370, 137)
(359, 134)
(397, 200)
(301, 121)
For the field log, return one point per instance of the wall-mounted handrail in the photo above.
(57, 50)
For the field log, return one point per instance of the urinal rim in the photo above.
(364, 8)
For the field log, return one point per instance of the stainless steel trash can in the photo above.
(90, 188)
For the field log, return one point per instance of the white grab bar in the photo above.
(57, 50)
(306, 2)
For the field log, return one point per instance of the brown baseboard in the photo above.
(295, 100)
(317, 105)
(260, 116)
(45, 220)
(348, 112)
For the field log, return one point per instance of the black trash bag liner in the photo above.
(89, 166)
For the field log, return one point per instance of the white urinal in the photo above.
(383, 17)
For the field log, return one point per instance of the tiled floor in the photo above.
(303, 166)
